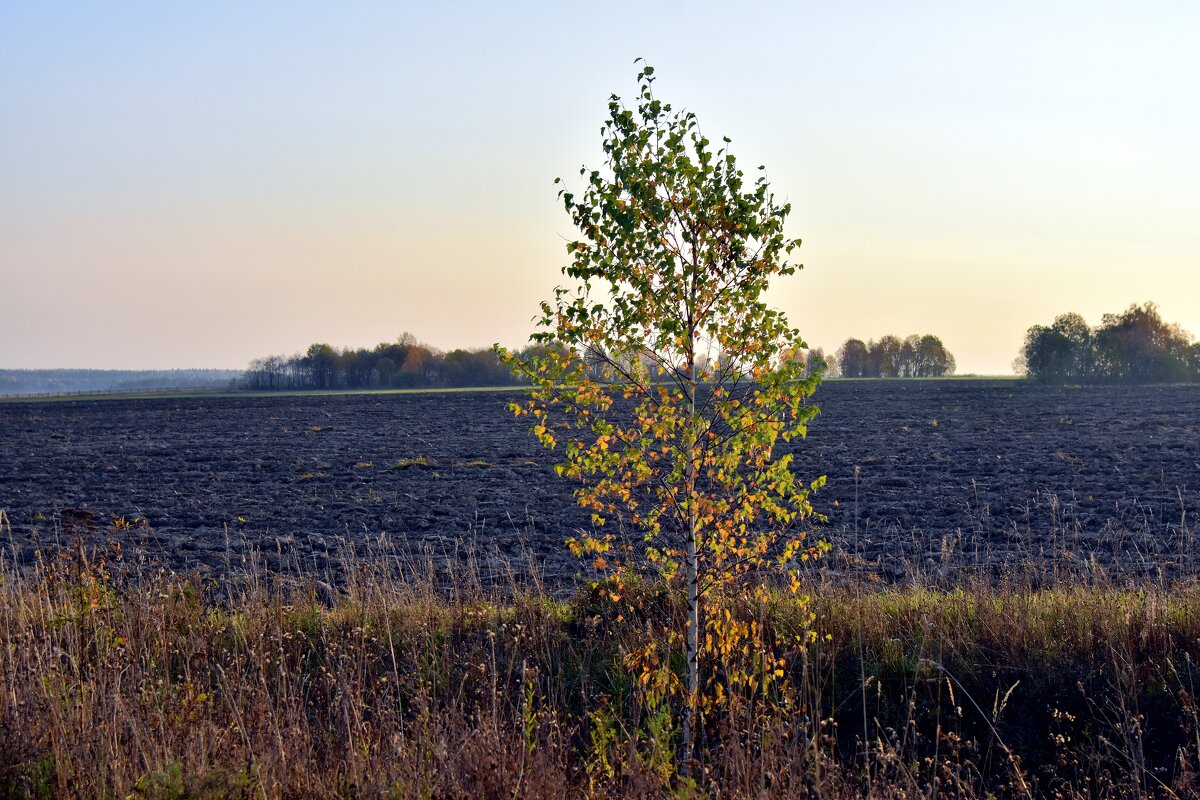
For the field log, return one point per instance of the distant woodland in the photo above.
(893, 357)
(403, 364)
(410, 364)
(1135, 346)
(59, 381)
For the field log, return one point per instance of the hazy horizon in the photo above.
(195, 187)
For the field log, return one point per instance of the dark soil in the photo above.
(926, 479)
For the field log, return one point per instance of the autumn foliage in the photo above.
(666, 383)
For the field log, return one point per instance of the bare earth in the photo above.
(953, 476)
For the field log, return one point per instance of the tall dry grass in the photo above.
(122, 680)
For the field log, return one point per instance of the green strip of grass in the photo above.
(225, 393)
(191, 394)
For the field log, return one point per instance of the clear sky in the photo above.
(200, 184)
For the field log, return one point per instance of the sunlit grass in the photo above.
(123, 680)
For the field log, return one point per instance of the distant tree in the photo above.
(473, 368)
(885, 357)
(891, 357)
(257, 376)
(414, 371)
(403, 363)
(1140, 347)
(932, 359)
(1046, 354)
(816, 362)
(321, 363)
(1135, 346)
(353, 370)
(1060, 353)
(1079, 362)
(395, 353)
(385, 370)
(854, 359)
(909, 365)
(274, 370)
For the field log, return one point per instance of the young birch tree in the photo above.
(666, 383)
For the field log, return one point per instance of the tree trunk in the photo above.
(693, 651)
(693, 575)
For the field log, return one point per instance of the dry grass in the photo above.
(415, 462)
(128, 682)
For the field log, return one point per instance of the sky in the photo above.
(202, 184)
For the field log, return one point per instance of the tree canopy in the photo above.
(1135, 346)
(403, 364)
(892, 357)
(667, 383)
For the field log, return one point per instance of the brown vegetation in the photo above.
(121, 682)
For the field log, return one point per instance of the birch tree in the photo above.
(666, 383)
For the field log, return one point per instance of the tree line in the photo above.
(51, 381)
(893, 357)
(1135, 346)
(403, 364)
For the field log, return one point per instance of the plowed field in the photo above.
(926, 478)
